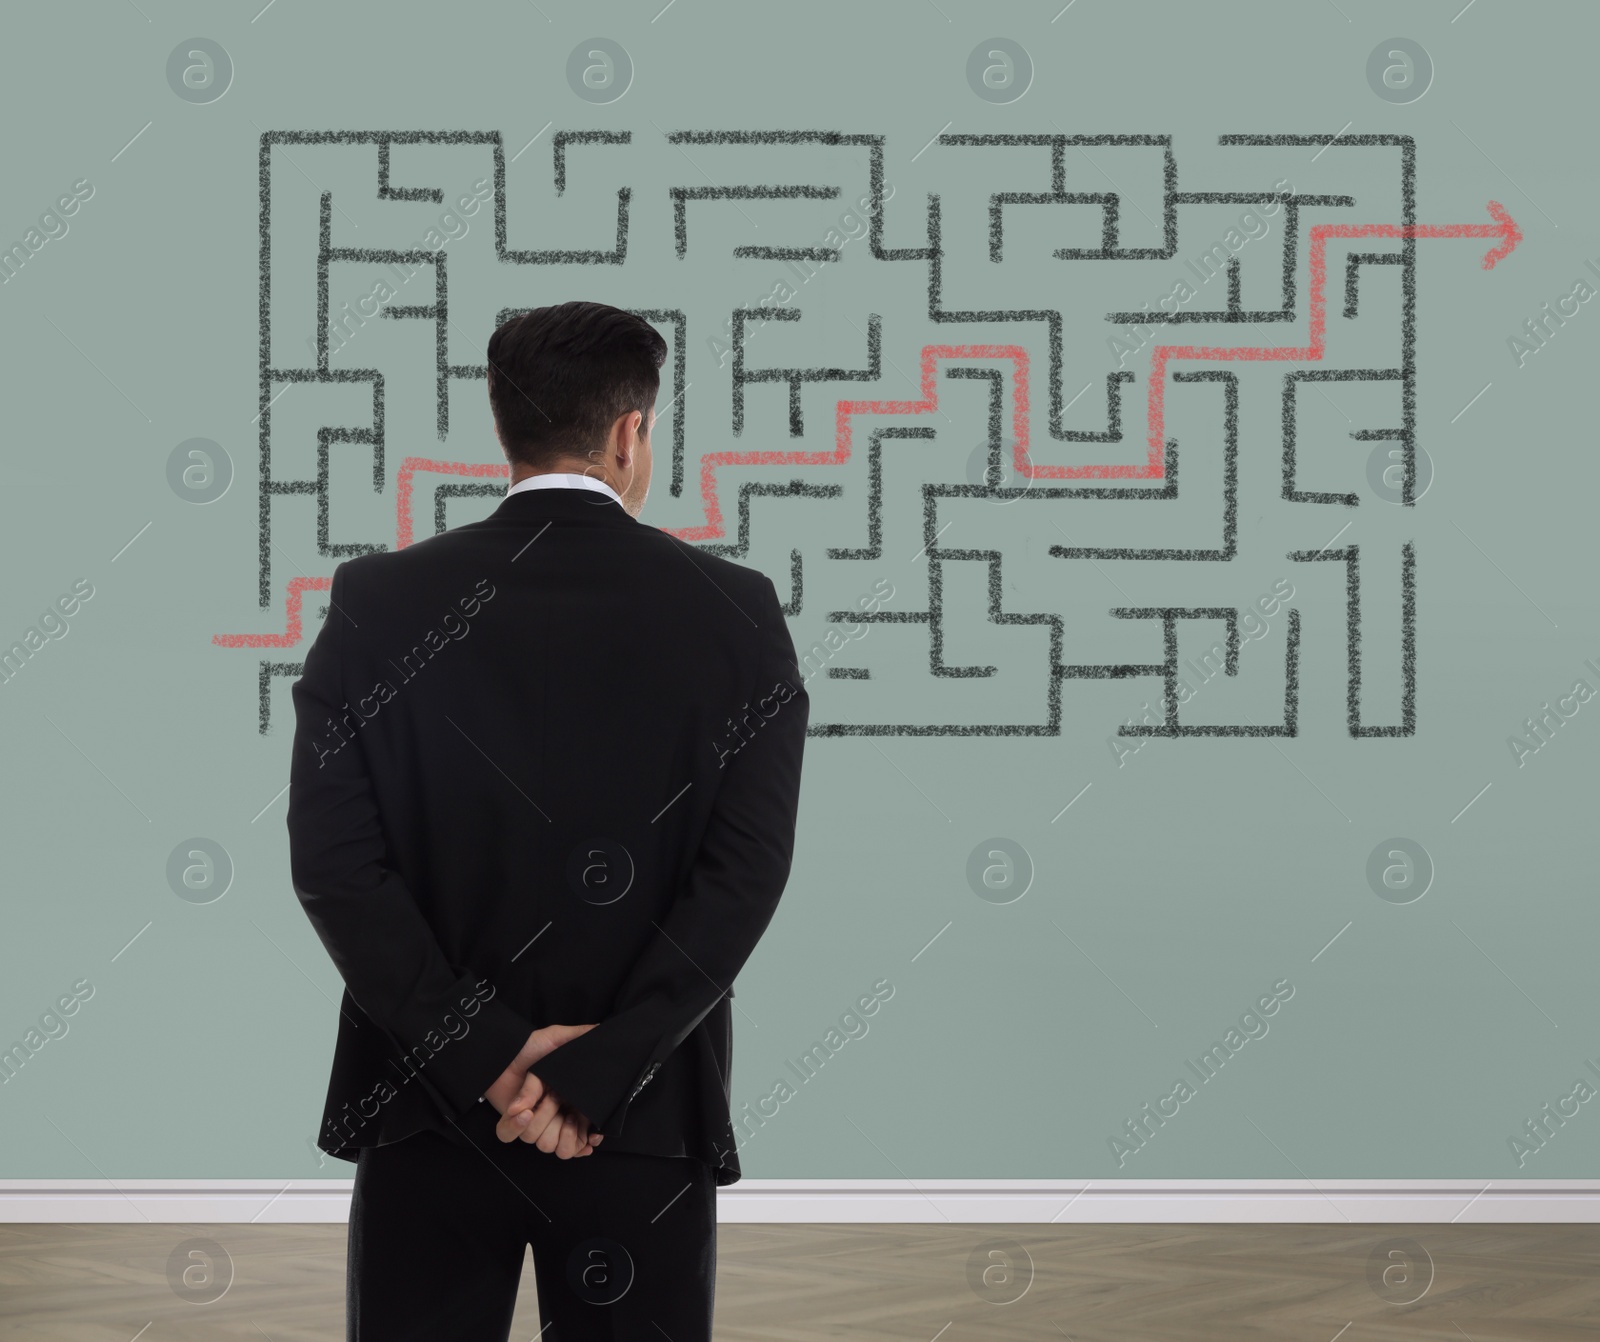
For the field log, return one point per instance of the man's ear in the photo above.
(632, 432)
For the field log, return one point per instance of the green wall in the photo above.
(1172, 886)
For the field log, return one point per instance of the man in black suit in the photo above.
(542, 806)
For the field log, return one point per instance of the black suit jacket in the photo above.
(545, 770)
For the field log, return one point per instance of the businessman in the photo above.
(542, 806)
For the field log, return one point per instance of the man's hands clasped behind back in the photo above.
(531, 1112)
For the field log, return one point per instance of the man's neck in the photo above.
(520, 471)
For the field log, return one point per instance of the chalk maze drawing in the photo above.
(1063, 475)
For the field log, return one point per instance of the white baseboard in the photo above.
(925, 1201)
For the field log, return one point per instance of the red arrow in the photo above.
(1505, 228)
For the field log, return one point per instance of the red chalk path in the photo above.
(298, 587)
(1153, 468)
(1505, 228)
(843, 431)
(410, 466)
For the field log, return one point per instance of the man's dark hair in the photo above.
(560, 376)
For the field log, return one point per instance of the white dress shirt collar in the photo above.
(563, 480)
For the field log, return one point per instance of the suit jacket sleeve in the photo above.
(724, 906)
(458, 1033)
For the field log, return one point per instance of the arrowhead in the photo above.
(1510, 235)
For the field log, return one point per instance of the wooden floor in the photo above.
(781, 1283)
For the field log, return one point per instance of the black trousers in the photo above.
(624, 1245)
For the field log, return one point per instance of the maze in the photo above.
(1007, 451)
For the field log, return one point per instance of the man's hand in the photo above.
(531, 1112)
(538, 1116)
